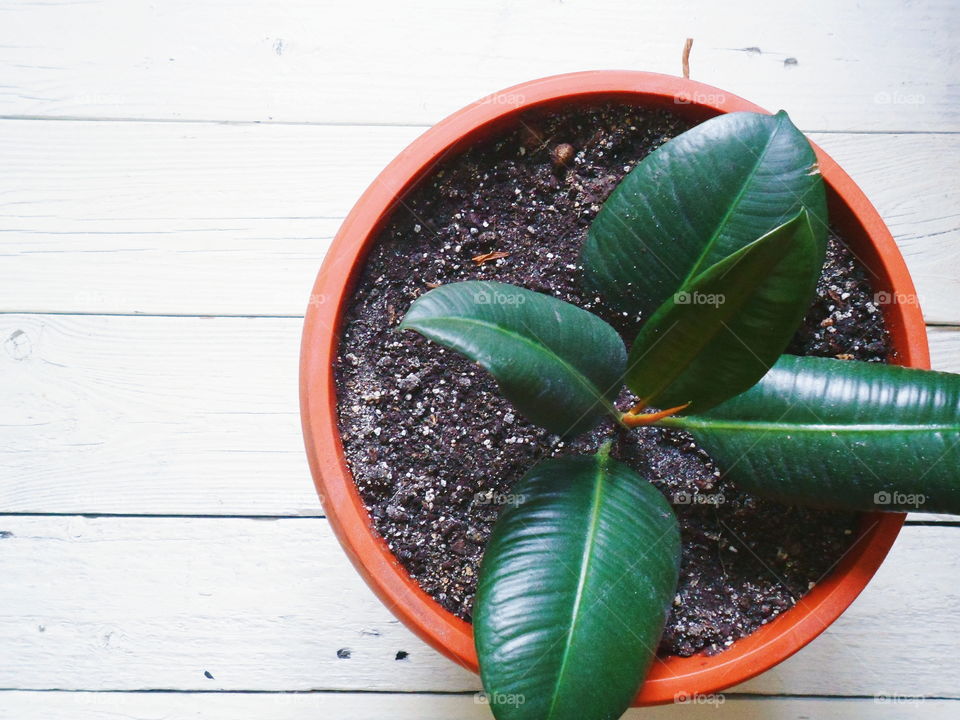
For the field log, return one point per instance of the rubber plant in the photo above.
(710, 249)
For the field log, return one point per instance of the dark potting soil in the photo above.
(435, 450)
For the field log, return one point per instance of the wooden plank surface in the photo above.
(166, 415)
(27, 705)
(274, 605)
(268, 120)
(151, 415)
(884, 65)
(204, 219)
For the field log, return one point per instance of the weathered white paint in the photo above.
(136, 603)
(203, 219)
(375, 706)
(166, 415)
(184, 414)
(880, 66)
(198, 416)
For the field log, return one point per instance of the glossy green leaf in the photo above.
(559, 365)
(841, 434)
(697, 199)
(723, 330)
(574, 590)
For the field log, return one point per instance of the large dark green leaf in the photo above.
(696, 200)
(560, 365)
(574, 590)
(721, 333)
(841, 434)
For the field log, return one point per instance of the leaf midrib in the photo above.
(694, 423)
(733, 205)
(538, 346)
(585, 562)
(704, 339)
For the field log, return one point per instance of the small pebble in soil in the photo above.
(562, 155)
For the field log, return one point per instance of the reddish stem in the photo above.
(634, 418)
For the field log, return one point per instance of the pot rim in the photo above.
(672, 677)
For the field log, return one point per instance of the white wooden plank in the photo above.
(156, 415)
(226, 219)
(837, 65)
(136, 604)
(945, 348)
(376, 706)
(172, 218)
(160, 415)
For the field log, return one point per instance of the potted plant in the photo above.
(848, 210)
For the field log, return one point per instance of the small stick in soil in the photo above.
(487, 257)
(686, 57)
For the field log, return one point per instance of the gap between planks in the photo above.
(26, 705)
(358, 124)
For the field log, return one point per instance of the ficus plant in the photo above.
(712, 246)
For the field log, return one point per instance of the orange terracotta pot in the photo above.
(850, 212)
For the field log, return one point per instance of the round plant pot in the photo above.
(850, 212)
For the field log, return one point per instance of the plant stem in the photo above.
(604, 451)
(634, 419)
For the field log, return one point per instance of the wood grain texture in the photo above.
(173, 218)
(884, 66)
(141, 604)
(166, 415)
(197, 416)
(157, 415)
(202, 219)
(25, 705)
